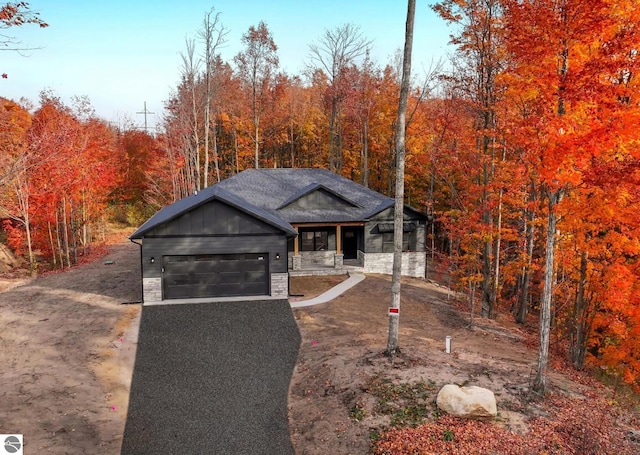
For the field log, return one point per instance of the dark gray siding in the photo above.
(177, 246)
(213, 218)
(319, 199)
(373, 240)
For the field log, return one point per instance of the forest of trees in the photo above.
(525, 147)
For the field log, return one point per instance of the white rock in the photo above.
(470, 402)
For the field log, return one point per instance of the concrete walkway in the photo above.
(331, 294)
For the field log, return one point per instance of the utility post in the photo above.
(145, 112)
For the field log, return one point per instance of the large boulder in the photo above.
(469, 402)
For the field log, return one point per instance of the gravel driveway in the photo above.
(213, 378)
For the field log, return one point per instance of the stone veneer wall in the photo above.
(413, 263)
(280, 285)
(151, 289)
(324, 258)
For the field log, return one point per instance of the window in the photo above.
(314, 241)
(387, 241)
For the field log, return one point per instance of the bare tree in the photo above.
(257, 65)
(191, 146)
(337, 50)
(213, 35)
(398, 219)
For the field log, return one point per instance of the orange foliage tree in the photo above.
(573, 59)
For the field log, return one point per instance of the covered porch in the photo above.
(360, 247)
(326, 246)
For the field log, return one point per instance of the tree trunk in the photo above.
(540, 381)
(291, 143)
(578, 334)
(472, 302)
(74, 236)
(522, 303)
(235, 151)
(22, 193)
(65, 232)
(207, 127)
(85, 222)
(365, 155)
(488, 310)
(195, 149)
(339, 136)
(394, 319)
(216, 158)
(59, 241)
(53, 248)
(332, 134)
(256, 132)
(496, 275)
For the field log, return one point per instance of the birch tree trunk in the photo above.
(540, 381)
(394, 319)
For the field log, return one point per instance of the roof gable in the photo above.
(316, 195)
(178, 208)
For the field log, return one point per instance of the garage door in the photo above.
(214, 275)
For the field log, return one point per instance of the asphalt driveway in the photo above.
(212, 378)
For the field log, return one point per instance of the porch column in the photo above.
(296, 260)
(338, 259)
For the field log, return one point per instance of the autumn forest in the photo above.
(524, 147)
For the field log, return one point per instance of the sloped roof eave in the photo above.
(383, 206)
(220, 195)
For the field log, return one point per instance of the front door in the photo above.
(351, 242)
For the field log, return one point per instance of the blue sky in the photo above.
(123, 53)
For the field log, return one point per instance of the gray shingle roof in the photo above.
(273, 189)
(266, 193)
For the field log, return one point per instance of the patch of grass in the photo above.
(357, 412)
(447, 435)
(409, 416)
(406, 403)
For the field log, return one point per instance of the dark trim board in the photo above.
(209, 236)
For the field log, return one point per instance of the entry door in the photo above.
(214, 275)
(351, 242)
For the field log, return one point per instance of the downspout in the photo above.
(141, 272)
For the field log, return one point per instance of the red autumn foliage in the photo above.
(573, 426)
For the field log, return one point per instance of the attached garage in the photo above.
(215, 275)
(213, 245)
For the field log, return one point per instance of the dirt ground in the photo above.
(342, 346)
(68, 344)
(67, 348)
